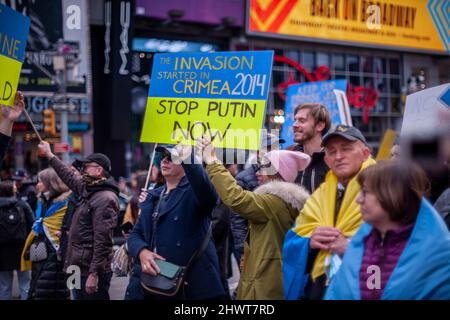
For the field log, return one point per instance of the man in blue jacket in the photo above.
(175, 229)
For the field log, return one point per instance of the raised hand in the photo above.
(207, 149)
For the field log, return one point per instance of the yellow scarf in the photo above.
(52, 224)
(319, 212)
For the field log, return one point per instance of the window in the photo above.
(376, 71)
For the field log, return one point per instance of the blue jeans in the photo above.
(6, 284)
(102, 293)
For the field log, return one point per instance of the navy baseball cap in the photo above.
(346, 132)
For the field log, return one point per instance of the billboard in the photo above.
(412, 25)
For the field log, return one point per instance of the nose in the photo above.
(359, 198)
(339, 154)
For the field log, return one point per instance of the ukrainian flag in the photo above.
(13, 39)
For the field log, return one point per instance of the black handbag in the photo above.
(171, 277)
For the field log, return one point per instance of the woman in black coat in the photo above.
(16, 219)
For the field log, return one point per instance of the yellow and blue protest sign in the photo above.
(311, 92)
(13, 40)
(222, 94)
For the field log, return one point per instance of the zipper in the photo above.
(313, 175)
(155, 218)
(382, 262)
(303, 175)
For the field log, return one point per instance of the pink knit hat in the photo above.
(288, 163)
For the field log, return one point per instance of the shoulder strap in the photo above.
(198, 253)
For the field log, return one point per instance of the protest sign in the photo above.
(312, 92)
(222, 94)
(425, 111)
(13, 39)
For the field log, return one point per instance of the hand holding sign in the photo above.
(180, 153)
(44, 150)
(9, 115)
(207, 149)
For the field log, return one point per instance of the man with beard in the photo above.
(312, 122)
(90, 239)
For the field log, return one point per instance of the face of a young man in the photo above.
(345, 157)
(304, 126)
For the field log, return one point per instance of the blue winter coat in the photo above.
(182, 225)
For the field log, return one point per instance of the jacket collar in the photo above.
(291, 193)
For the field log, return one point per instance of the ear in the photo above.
(320, 126)
(366, 152)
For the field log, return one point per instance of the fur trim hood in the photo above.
(290, 193)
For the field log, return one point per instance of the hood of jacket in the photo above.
(7, 201)
(290, 193)
(109, 184)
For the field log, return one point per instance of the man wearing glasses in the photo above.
(90, 240)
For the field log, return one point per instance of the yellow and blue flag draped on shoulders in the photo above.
(49, 225)
(422, 272)
(318, 212)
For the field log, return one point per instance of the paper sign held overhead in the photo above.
(427, 111)
(222, 94)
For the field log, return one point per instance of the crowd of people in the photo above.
(319, 220)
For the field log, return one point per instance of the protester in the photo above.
(90, 240)
(8, 116)
(248, 181)
(26, 190)
(403, 237)
(173, 224)
(329, 218)
(271, 210)
(312, 122)
(16, 220)
(48, 281)
(131, 213)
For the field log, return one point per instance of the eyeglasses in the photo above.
(85, 166)
(262, 167)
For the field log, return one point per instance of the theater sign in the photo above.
(409, 25)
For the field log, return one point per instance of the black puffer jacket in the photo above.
(48, 281)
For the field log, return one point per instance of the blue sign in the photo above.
(311, 92)
(224, 75)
